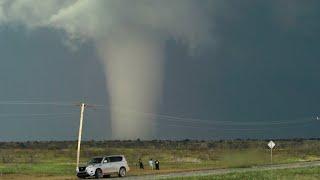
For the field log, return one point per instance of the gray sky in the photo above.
(252, 74)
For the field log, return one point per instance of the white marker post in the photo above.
(80, 133)
(271, 145)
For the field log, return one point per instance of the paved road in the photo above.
(225, 171)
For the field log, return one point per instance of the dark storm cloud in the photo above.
(262, 67)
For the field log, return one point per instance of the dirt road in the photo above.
(178, 174)
(225, 171)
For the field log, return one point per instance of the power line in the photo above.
(47, 103)
(214, 122)
(34, 115)
(224, 128)
(35, 103)
(239, 123)
(164, 117)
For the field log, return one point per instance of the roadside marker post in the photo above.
(271, 145)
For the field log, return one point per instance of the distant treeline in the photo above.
(168, 144)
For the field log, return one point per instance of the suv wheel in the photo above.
(122, 172)
(98, 174)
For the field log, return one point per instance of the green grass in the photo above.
(38, 168)
(283, 174)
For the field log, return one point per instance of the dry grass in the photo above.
(56, 159)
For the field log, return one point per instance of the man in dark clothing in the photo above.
(141, 164)
(157, 163)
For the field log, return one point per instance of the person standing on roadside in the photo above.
(151, 164)
(157, 163)
(141, 164)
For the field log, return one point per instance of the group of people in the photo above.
(154, 164)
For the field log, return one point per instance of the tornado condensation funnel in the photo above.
(133, 63)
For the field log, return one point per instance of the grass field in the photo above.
(283, 174)
(58, 158)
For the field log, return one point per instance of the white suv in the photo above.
(104, 166)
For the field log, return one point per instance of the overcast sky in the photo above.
(252, 73)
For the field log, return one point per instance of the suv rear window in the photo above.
(115, 158)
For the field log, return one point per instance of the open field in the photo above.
(57, 159)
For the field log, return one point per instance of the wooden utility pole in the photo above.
(82, 107)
